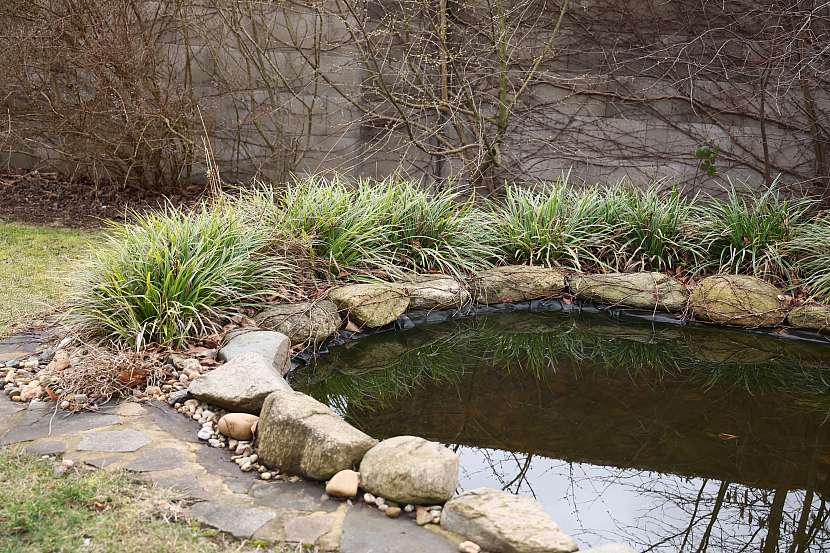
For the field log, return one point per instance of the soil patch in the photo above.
(48, 198)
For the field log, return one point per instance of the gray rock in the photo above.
(34, 424)
(271, 345)
(303, 323)
(434, 292)
(609, 548)
(408, 469)
(104, 462)
(811, 316)
(369, 530)
(370, 305)
(114, 441)
(298, 434)
(516, 283)
(46, 448)
(179, 396)
(738, 300)
(164, 458)
(241, 384)
(240, 522)
(641, 290)
(504, 523)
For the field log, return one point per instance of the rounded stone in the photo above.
(237, 425)
(343, 484)
(409, 469)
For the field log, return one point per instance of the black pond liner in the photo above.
(416, 318)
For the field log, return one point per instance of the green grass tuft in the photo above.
(175, 273)
(810, 243)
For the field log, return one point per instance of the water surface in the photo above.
(668, 438)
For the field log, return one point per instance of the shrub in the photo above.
(748, 235)
(174, 274)
(655, 230)
(557, 226)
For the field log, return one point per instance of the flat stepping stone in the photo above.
(367, 530)
(307, 529)
(151, 460)
(32, 425)
(104, 462)
(299, 496)
(240, 522)
(46, 448)
(186, 484)
(114, 441)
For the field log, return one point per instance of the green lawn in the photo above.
(96, 512)
(36, 264)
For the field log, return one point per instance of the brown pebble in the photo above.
(393, 512)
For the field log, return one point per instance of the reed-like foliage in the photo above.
(557, 226)
(749, 234)
(810, 244)
(173, 274)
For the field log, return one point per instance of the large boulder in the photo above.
(516, 283)
(303, 323)
(408, 469)
(274, 346)
(642, 290)
(811, 316)
(370, 305)
(434, 292)
(241, 384)
(501, 522)
(300, 435)
(738, 300)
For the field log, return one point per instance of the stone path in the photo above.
(159, 446)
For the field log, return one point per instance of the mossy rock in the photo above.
(434, 292)
(307, 322)
(737, 300)
(811, 316)
(515, 283)
(370, 305)
(641, 290)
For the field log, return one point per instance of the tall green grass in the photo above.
(174, 274)
(389, 227)
(810, 245)
(748, 234)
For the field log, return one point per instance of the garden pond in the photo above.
(665, 437)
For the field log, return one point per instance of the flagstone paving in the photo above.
(159, 446)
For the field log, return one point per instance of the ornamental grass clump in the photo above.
(810, 243)
(174, 274)
(556, 226)
(749, 235)
(655, 230)
(385, 227)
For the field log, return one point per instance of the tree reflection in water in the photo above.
(666, 438)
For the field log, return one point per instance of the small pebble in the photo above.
(409, 508)
(204, 434)
(393, 512)
(369, 498)
(468, 547)
(266, 475)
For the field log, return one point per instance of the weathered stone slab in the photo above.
(163, 458)
(303, 323)
(504, 523)
(516, 283)
(641, 290)
(434, 292)
(370, 305)
(307, 529)
(296, 496)
(367, 529)
(240, 522)
(300, 435)
(114, 441)
(32, 425)
(738, 300)
(241, 384)
(46, 448)
(185, 484)
(273, 346)
(811, 316)
(104, 462)
(409, 469)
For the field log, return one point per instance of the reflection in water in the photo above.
(663, 437)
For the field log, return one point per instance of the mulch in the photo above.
(48, 199)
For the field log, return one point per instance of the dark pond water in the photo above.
(667, 438)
